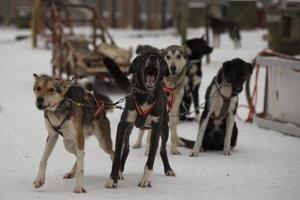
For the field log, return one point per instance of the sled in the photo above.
(79, 54)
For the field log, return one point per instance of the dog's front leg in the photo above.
(147, 149)
(120, 139)
(50, 143)
(146, 182)
(228, 134)
(173, 121)
(201, 131)
(195, 94)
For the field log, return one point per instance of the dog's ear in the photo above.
(162, 52)
(64, 85)
(187, 50)
(37, 77)
(225, 65)
(133, 65)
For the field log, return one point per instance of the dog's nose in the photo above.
(237, 90)
(173, 68)
(40, 100)
(152, 58)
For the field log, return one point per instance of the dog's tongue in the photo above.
(150, 79)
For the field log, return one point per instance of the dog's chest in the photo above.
(142, 121)
(193, 77)
(219, 107)
(67, 128)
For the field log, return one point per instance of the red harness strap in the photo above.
(142, 112)
(170, 97)
(98, 103)
(170, 103)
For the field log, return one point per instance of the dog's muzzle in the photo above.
(151, 72)
(173, 70)
(40, 103)
(237, 91)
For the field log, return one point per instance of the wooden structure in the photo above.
(281, 110)
(81, 55)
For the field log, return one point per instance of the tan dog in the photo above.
(68, 113)
(177, 59)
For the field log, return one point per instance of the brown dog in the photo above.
(70, 112)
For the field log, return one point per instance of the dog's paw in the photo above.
(170, 173)
(79, 189)
(39, 182)
(137, 146)
(110, 183)
(121, 176)
(145, 183)
(69, 175)
(227, 152)
(174, 151)
(194, 154)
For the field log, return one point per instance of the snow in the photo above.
(265, 164)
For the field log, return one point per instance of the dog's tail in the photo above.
(187, 143)
(122, 81)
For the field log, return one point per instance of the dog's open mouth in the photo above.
(41, 106)
(150, 76)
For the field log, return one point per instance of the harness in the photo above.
(91, 102)
(58, 127)
(169, 92)
(99, 105)
(226, 104)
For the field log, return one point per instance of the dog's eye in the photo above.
(178, 56)
(168, 57)
(51, 90)
(38, 89)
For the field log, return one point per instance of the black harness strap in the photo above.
(58, 127)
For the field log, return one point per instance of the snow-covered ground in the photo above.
(265, 164)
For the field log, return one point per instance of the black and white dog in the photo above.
(220, 26)
(146, 108)
(217, 128)
(199, 48)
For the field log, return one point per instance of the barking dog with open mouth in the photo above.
(146, 108)
(199, 48)
(217, 128)
(177, 59)
(71, 112)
